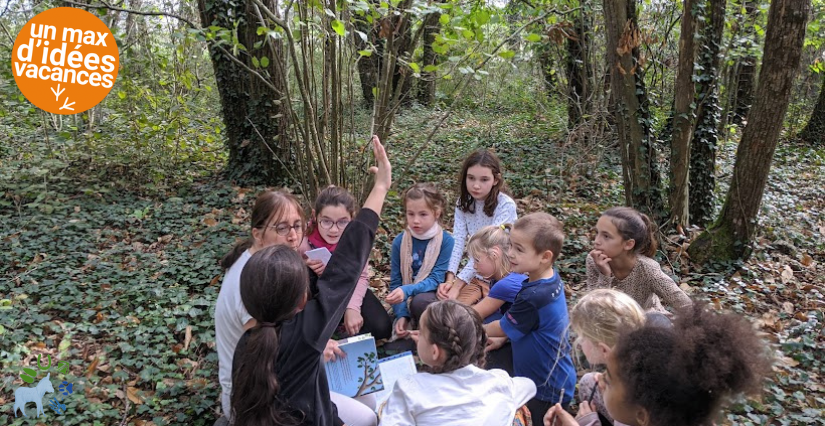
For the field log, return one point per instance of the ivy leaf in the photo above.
(444, 19)
(338, 27)
(533, 37)
(264, 62)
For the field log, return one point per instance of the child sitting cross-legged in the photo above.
(459, 392)
(537, 322)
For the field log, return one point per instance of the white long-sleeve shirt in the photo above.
(467, 224)
(469, 396)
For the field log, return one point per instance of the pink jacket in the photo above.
(360, 289)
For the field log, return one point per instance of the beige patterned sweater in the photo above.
(646, 283)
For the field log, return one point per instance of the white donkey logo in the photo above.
(23, 395)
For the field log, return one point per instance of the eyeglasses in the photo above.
(283, 229)
(327, 224)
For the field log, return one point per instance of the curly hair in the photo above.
(683, 375)
(458, 330)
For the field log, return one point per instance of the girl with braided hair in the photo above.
(457, 391)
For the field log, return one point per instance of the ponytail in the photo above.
(229, 258)
(651, 243)
(255, 396)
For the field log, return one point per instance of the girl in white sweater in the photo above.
(481, 203)
(458, 392)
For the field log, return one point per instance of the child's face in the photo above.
(524, 258)
(592, 351)
(480, 181)
(290, 222)
(485, 265)
(331, 222)
(608, 240)
(615, 399)
(420, 217)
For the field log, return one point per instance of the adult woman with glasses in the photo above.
(277, 218)
(334, 208)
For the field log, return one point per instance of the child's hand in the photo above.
(383, 173)
(494, 343)
(395, 297)
(602, 262)
(584, 409)
(414, 335)
(443, 290)
(455, 290)
(353, 321)
(557, 416)
(332, 351)
(317, 266)
(401, 327)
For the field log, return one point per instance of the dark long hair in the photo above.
(269, 206)
(332, 196)
(457, 329)
(273, 284)
(637, 226)
(488, 159)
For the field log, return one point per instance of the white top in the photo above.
(230, 317)
(467, 224)
(468, 396)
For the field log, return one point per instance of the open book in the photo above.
(356, 374)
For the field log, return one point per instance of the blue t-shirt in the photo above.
(537, 326)
(505, 289)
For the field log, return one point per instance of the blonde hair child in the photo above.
(598, 319)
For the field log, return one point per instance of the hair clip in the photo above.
(503, 228)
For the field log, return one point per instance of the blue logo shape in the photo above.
(65, 388)
(57, 406)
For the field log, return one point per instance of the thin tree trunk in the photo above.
(684, 94)
(548, 73)
(730, 237)
(642, 183)
(706, 136)
(426, 84)
(814, 131)
(578, 70)
(368, 66)
(746, 72)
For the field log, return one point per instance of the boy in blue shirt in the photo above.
(537, 322)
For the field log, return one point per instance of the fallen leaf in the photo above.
(131, 393)
(788, 307)
(801, 316)
(188, 339)
(177, 348)
(91, 369)
(215, 280)
(210, 221)
(806, 260)
(787, 274)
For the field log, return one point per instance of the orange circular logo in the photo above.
(65, 60)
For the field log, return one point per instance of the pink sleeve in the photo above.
(360, 289)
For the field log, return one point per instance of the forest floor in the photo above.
(122, 286)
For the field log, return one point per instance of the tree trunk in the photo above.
(730, 237)
(426, 84)
(706, 136)
(368, 66)
(684, 94)
(746, 71)
(578, 102)
(548, 73)
(642, 182)
(248, 106)
(814, 131)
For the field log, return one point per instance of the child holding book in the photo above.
(621, 259)
(680, 375)
(419, 257)
(537, 322)
(277, 374)
(482, 202)
(334, 210)
(457, 391)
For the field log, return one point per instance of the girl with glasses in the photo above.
(334, 210)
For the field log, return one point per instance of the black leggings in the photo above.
(538, 409)
(376, 319)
